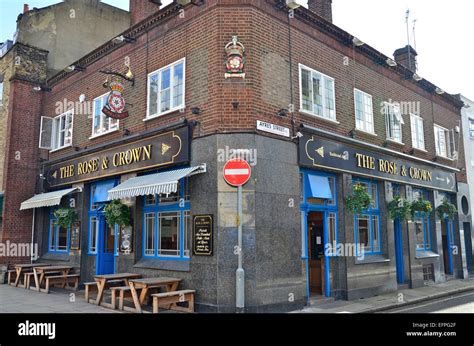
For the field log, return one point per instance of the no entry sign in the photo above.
(237, 172)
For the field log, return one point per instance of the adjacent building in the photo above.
(315, 111)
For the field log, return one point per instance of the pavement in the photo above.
(19, 300)
(403, 297)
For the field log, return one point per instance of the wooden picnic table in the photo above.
(170, 284)
(102, 281)
(22, 268)
(42, 271)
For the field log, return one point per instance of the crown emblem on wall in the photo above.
(235, 59)
(117, 87)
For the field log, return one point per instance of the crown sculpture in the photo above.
(235, 59)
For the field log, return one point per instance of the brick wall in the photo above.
(265, 33)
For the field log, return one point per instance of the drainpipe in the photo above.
(33, 235)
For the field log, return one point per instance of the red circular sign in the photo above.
(237, 172)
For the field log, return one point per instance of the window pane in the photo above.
(165, 94)
(68, 130)
(178, 79)
(153, 97)
(317, 94)
(359, 106)
(329, 91)
(419, 236)
(169, 234)
(306, 90)
(150, 200)
(150, 234)
(62, 239)
(333, 192)
(427, 233)
(52, 237)
(109, 239)
(363, 229)
(375, 234)
(97, 113)
(332, 229)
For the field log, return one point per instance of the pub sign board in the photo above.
(203, 234)
(160, 150)
(316, 151)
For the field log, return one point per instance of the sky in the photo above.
(443, 32)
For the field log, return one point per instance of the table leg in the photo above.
(41, 278)
(170, 288)
(136, 301)
(143, 294)
(100, 290)
(17, 279)
(37, 284)
(65, 273)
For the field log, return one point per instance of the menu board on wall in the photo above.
(126, 239)
(203, 235)
(76, 236)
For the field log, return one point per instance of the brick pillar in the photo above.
(322, 8)
(21, 164)
(141, 9)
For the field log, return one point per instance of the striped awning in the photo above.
(47, 199)
(159, 183)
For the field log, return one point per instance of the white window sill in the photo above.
(155, 116)
(419, 149)
(366, 132)
(59, 149)
(333, 121)
(103, 134)
(394, 141)
(444, 157)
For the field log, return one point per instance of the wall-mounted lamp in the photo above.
(357, 43)
(72, 68)
(196, 110)
(41, 88)
(292, 4)
(123, 38)
(298, 135)
(417, 77)
(439, 91)
(283, 112)
(391, 62)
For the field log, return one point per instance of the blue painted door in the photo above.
(399, 252)
(449, 246)
(106, 249)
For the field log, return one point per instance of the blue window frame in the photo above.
(422, 224)
(58, 237)
(367, 223)
(167, 225)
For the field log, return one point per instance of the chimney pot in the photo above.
(26, 8)
(322, 8)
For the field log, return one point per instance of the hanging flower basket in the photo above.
(117, 213)
(359, 201)
(399, 208)
(421, 205)
(65, 217)
(446, 210)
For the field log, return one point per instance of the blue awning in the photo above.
(319, 186)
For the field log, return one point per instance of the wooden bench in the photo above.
(62, 279)
(11, 277)
(92, 286)
(122, 291)
(29, 278)
(173, 298)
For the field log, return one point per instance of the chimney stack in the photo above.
(141, 9)
(26, 8)
(322, 8)
(406, 57)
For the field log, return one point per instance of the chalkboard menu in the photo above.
(203, 235)
(76, 236)
(126, 239)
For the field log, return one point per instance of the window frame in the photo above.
(324, 96)
(424, 218)
(365, 96)
(158, 72)
(471, 127)
(447, 144)
(370, 213)
(56, 130)
(389, 115)
(53, 248)
(415, 121)
(182, 208)
(102, 117)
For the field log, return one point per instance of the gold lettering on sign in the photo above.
(87, 167)
(132, 156)
(66, 172)
(387, 167)
(365, 161)
(420, 174)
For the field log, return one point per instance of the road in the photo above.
(460, 303)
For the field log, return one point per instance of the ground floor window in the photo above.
(58, 237)
(422, 231)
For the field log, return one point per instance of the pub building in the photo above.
(186, 84)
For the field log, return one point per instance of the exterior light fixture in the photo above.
(292, 4)
(37, 88)
(41, 88)
(196, 110)
(72, 68)
(123, 38)
(357, 43)
(417, 77)
(283, 112)
(439, 91)
(391, 62)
